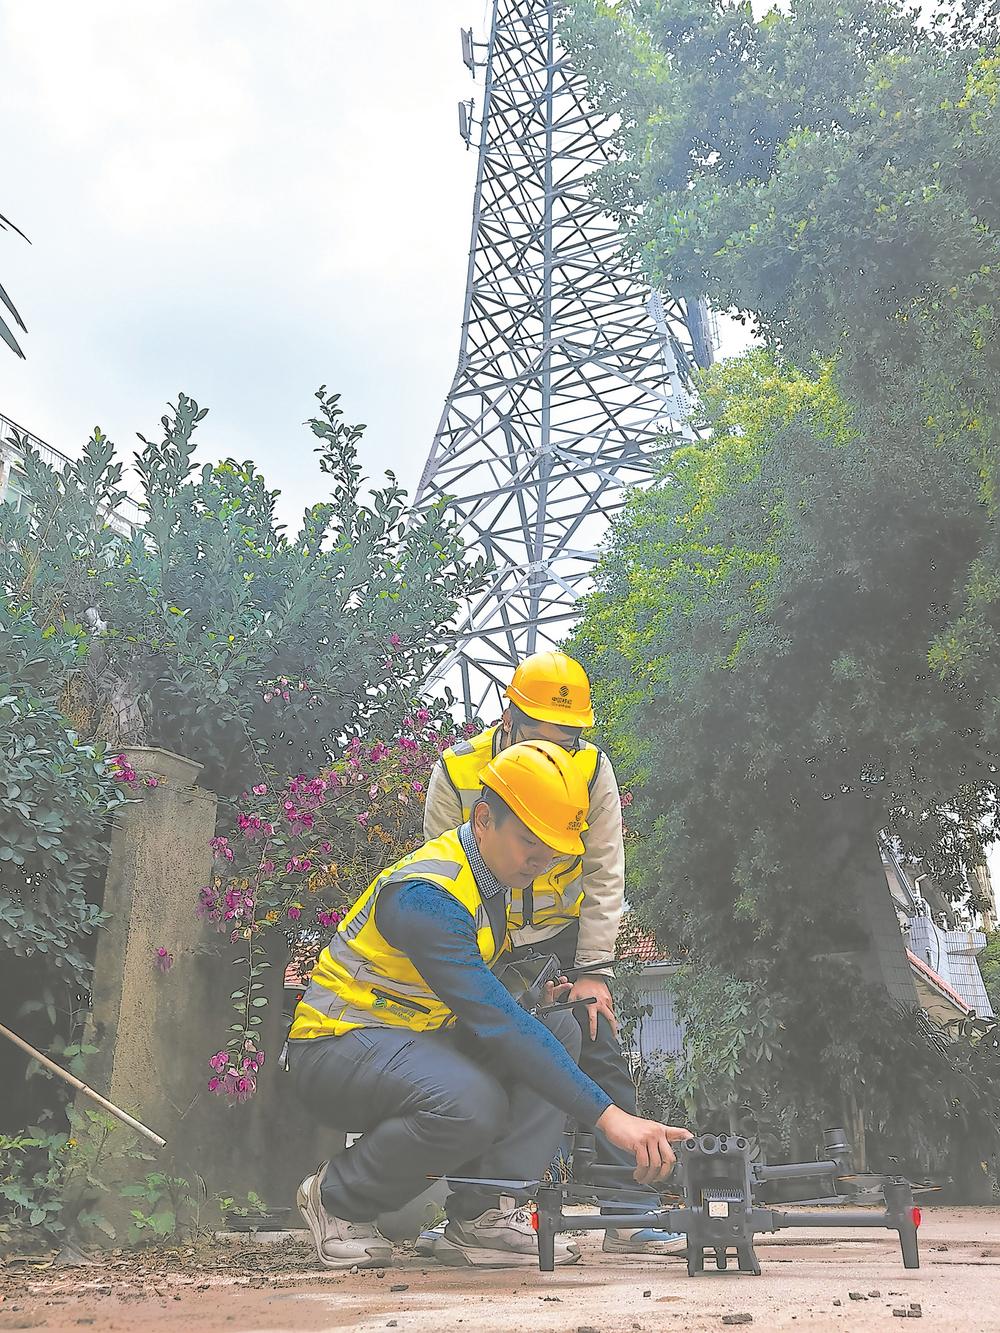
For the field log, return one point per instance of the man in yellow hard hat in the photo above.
(406, 1035)
(574, 907)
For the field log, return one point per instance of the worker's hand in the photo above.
(554, 992)
(596, 987)
(647, 1140)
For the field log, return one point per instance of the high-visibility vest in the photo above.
(554, 898)
(360, 980)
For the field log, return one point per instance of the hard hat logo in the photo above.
(551, 687)
(577, 823)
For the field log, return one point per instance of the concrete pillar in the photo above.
(156, 1031)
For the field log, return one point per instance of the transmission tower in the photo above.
(571, 372)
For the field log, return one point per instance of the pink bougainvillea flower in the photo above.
(423, 715)
(214, 1084)
(362, 819)
(326, 846)
(261, 790)
(327, 918)
(152, 782)
(221, 849)
(395, 640)
(164, 959)
(294, 912)
(219, 1061)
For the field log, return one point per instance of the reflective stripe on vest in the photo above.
(360, 980)
(555, 898)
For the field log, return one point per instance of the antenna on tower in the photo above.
(465, 121)
(469, 51)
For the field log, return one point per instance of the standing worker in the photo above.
(406, 1035)
(573, 909)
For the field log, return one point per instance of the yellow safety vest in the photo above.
(555, 897)
(360, 980)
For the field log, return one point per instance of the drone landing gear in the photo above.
(746, 1259)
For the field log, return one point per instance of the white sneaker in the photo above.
(646, 1240)
(497, 1239)
(339, 1244)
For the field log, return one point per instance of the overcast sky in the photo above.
(241, 201)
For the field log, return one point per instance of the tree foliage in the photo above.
(793, 633)
(211, 631)
(56, 796)
(7, 305)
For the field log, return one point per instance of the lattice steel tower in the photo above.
(571, 373)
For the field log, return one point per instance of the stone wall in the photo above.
(156, 1031)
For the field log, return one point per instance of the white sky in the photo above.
(241, 201)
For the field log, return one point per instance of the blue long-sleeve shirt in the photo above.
(438, 935)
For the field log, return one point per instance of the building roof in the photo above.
(639, 946)
(294, 980)
(925, 973)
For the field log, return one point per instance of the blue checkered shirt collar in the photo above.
(486, 881)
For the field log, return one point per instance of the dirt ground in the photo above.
(808, 1279)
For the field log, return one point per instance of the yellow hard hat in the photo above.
(547, 791)
(551, 687)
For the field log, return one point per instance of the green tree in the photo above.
(989, 964)
(759, 641)
(794, 633)
(213, 632)
(55, 798)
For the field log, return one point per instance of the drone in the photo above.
(722, 1200)
(718, 1196)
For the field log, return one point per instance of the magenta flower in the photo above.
(395, 640)
(152, 782)
(126, 773)
(327, 918)
(164, 960)
(363, 819)
(261, 790)
(214, 1084)
(219, 1061)
(294, 912)
(208, 904)
(221, 849)
(326, 846)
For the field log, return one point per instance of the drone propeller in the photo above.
(516, 1185)
(863, 1184)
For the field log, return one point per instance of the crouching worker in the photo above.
(406, 1036)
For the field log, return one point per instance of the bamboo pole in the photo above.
(80, 1086)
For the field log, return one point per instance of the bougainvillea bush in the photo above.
(299, 852)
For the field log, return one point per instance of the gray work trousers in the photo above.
(426, 1105)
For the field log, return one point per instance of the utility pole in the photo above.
(572, 374)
